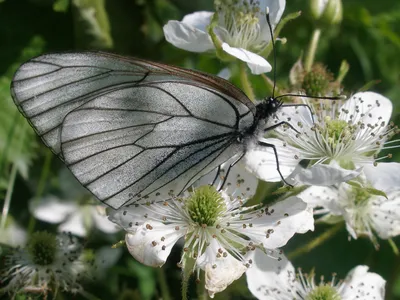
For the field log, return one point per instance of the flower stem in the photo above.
(40, 188)
(201, 288)
(7, 200)
(312, 49)
(316, 242)
(162, 281)
(244, 79)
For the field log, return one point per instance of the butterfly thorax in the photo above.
(267, 108)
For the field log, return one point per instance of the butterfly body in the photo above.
(129, 128)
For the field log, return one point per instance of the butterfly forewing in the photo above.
(127, 128)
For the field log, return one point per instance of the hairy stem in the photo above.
(312, 49)
(244, 79)
(316, 242)
(7, 200)
(40, 188)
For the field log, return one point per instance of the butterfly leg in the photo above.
(276, 159)
(216, 175)
(228, 170)
(280, 124)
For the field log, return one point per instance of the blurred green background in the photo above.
(368, 39)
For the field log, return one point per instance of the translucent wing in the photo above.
(127, 128)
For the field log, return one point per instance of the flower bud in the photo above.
(326, 12)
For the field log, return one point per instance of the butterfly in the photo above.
(129, 128)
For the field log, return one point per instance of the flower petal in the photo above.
(190, 34)
(199, 20)
(102, 222)
(261, 160)
(152, 242)
(361, 284)
(276, 9)
(281, 221)
(323, 175)
(385, 214)
(384, 176)
(369, 108)
(51, 209)
(255, 62)
(75, 224)
(239, 183)
(323, 196)
(220, 270)
(270, 278)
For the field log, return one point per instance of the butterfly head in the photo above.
(268, 107)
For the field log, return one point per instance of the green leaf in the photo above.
(61, 5)
(92, 27)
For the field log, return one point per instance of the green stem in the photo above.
(316, 242)
(201, 288)
(40, 188)
(7, 199)
(244, 79)
(312, 49)
(162, 281)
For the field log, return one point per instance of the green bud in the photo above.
(326, 12)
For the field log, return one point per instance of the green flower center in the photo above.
(241, 20)
(336, 131)
(205, 205)
(323, 292)
(42, 248)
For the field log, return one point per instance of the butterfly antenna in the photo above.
(340, 97)
(273, 49)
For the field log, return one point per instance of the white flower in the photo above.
(13, 234)
(77, 218)
(365, 212)
(337, 141)
(46, 263)
(72, 210)
(272, 279)
(242, 30)
(219, 231)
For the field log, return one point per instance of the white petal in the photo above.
(384, 177)
(199, 20)
(255, 62)
(51, 209)
(75, 224)
(152, 242)
(106, 257)
(102, 222)
(261, 160)
(321, 196)
(367, 107)
(385, 214)
(323, 175)
(225, 73)
(238, 183)
(361, 284)
(276, 9)
(269, 278)
(285, 218)
(13, 234)
(220, 270)
(190, 34)
(127, 216)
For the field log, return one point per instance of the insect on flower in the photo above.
(127, 128)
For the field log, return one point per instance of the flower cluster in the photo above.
(219, 231)
(271, 279)
(237, 29)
